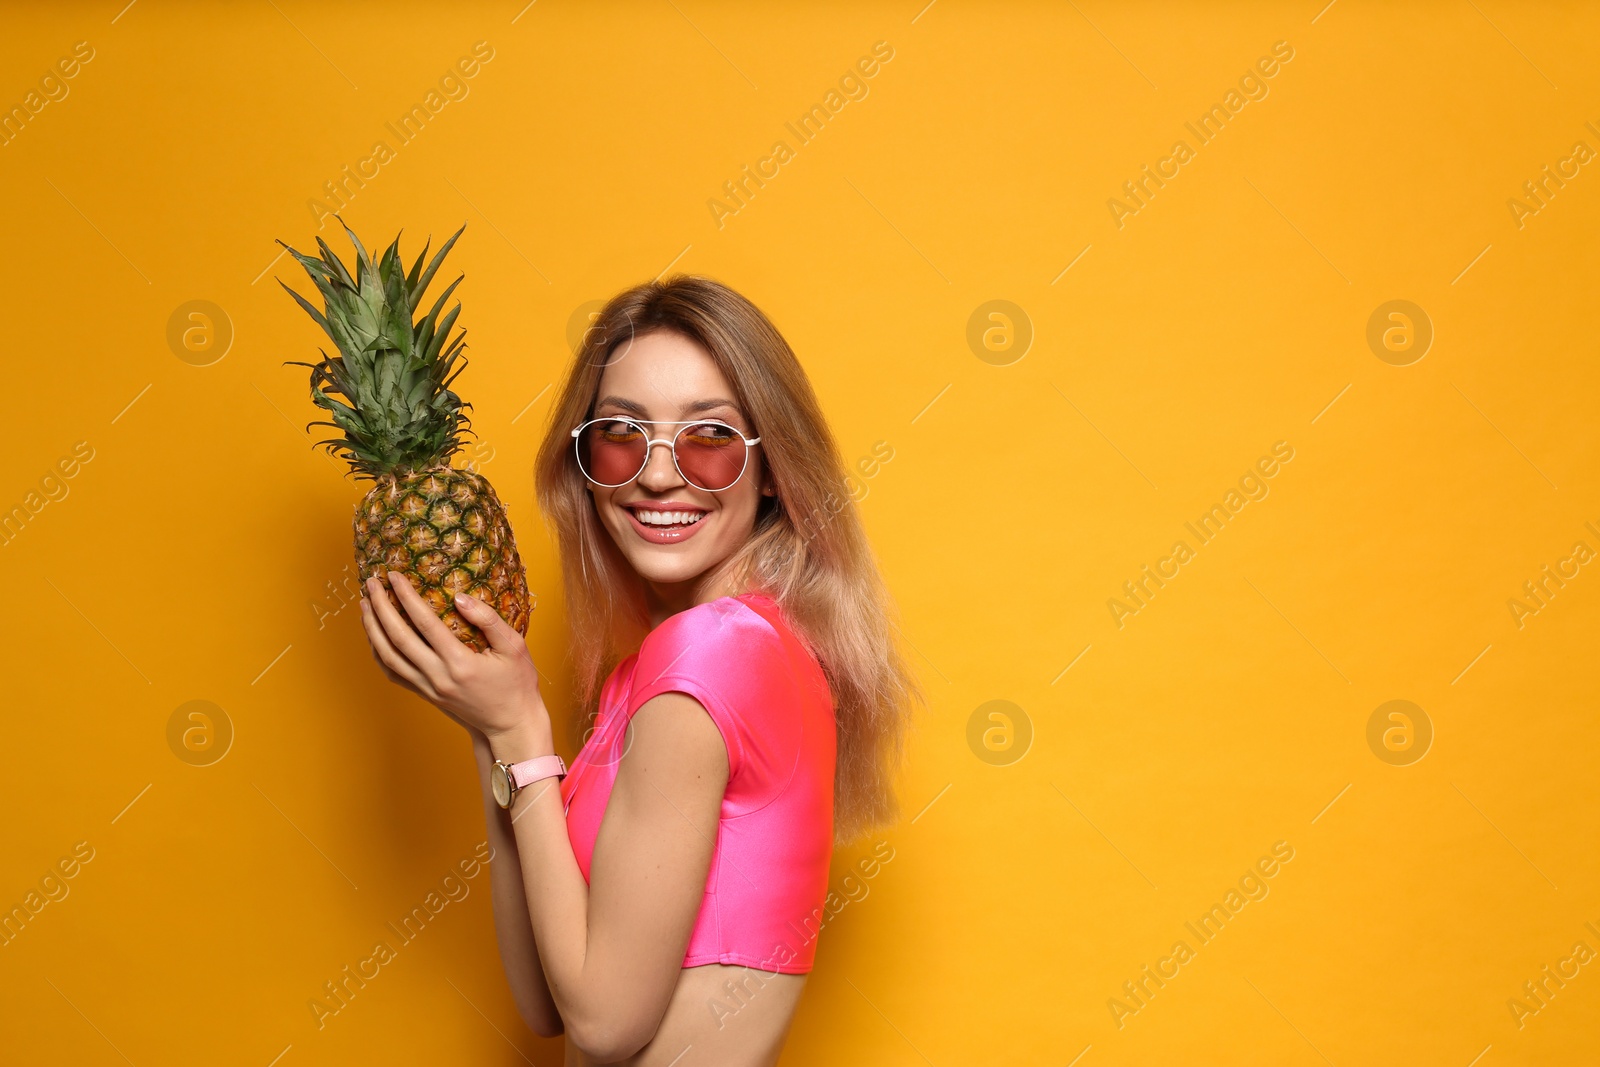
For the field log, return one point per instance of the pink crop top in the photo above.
(768, 696)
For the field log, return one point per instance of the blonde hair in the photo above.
(808, 549)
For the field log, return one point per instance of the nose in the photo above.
(660, 473)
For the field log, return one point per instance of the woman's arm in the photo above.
(611, 951)
(613, 948)
(519, 956)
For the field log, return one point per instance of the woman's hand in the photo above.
(494, 692)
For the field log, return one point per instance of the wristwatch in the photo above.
(508, 779)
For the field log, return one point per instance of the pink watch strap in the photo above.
(537, 769)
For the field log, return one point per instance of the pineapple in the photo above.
(440, 526)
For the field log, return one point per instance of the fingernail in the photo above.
(461, 600)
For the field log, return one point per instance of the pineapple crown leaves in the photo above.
(392, 370)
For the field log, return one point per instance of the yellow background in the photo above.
(188, 559)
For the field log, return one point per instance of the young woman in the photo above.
(659, 903)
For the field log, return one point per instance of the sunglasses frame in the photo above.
(670, 442)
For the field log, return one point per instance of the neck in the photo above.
(665, 599)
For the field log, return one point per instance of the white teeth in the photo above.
(668, 518)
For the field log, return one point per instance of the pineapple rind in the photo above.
(390, 534)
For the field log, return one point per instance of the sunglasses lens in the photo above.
(611, 452)
(710, 456)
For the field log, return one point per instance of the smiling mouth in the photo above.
(665, 526)
(667, 520)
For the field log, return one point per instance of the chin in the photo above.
(663, 568)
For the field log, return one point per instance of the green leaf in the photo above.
(433, 314)
(444, 331)
(335, 265)
(387, 387)
(313, 312)
(433, 266)
(411, 278)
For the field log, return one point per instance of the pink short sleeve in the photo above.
(730, 659)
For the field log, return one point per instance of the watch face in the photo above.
(500, 783)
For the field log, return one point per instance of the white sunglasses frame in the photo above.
(670, 442)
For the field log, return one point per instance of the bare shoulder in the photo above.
(674, 743)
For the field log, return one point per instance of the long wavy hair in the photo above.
(808, 550)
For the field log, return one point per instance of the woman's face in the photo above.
(662, 379)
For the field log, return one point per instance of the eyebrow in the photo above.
(633, 407)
